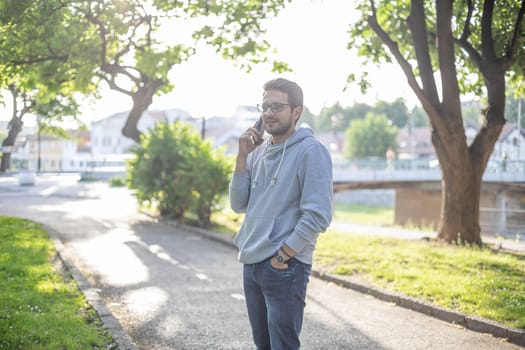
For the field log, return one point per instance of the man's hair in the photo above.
(294, 91)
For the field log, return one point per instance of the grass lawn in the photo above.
(41, 306)
(474, 281)
(363, 215)
(470, 280)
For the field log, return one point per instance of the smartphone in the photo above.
(260, 126)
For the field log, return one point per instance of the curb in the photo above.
(112, 324)
(473, 323)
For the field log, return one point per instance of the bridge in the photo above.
(417, 185)
(365, 173)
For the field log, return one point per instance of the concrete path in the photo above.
(163, 287)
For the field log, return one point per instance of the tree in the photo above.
(418, 118)
(370, 137)
(135, 60)
(38, 73)
(467, 46)
(396, 112)
(337, 116)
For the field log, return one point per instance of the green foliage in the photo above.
(418, 117)
(332, 118)
(117, 182)
(393, 17)
(238, 32)
(370, 137)
(175, 171)
(396, 112)
(39, 70)
(41, 306)
(338, 118)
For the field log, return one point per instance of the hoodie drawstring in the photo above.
(274, 178)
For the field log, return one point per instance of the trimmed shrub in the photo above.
(174, 171)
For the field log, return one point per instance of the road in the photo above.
(171, 289)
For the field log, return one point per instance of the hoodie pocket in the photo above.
(254, 231)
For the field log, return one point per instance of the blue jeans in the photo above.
(275, 300)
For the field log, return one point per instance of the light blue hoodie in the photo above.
(286, 195)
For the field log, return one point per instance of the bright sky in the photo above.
(310, 35)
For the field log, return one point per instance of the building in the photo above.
(225, 131)
(106, 134)
(52, 154)
(416, 143)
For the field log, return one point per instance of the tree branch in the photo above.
(115, 69)
(466, 26)
(394, 49)
(487, 41)
(41, 59)
(416, 21)
(463, 40)
(513, 47)
(447, 66)
(113, 84)
(101, 31)
(429, 104)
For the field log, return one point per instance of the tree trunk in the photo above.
(6, 161)
(459, 220)
(130, 128)
(15, 126)
(142, 99)
(462, 172)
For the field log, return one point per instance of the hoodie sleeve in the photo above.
(240, 191)
(315, 176)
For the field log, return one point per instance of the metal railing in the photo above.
(418, 170)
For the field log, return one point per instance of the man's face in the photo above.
(279, 117)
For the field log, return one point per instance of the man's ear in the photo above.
(297, 113)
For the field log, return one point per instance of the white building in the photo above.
(106, 134)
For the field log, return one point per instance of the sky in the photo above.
(310, 35)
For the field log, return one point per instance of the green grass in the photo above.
(470, 280)
(474, 281)
(364, 215)
(40, 304)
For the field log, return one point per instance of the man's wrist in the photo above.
(288, 251)
(281, 258)
(283, 252)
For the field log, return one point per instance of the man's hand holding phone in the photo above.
(251, 139)
(257, 140)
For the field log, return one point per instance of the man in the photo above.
(284, 186)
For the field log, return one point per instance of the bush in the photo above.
(175, 171)
(117, 182)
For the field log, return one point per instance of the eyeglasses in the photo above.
(274, 106)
